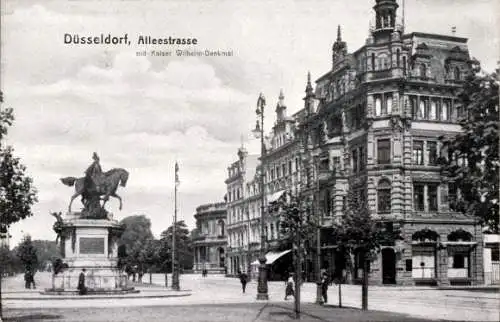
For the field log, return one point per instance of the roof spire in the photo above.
(339, 33)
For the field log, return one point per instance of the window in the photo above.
(283, 169)
(272, 174)
(384, 151)
(398, 53)
(433, 110)
(296, 164)
(458, 261)
(408, 265)
(336, 163)
(373, 61)
(378, 105)
(452, 194)
(404, 65)
(432, 152)
(278, 172)
(290, 167)
(423, 71)
(445, 111)
(388, 104)
(418, 152)
(432, 190)
(421, 110)
(362, 161)
(456, 73)
(418, 197)
(384, 196)
(355, 160)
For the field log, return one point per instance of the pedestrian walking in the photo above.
(27, 279)
(290, 287)
(324, 287)
(243, 280)
(82, 289)
(32, 279)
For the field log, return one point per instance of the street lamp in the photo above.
(259, 133)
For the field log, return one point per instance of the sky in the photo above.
(144, 113)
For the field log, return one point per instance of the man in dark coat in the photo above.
(82, 289)
(243, 280)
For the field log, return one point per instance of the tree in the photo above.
(27, 253)
(149, 256)
(472, 162)
(296, 225)
(183, 245)
(17, 193)
(357, 234)
(133, 240)
(47, 252)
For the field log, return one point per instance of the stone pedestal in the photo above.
(90, 244)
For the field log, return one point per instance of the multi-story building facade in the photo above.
(243, 212)
(211, 241)
(380, 112)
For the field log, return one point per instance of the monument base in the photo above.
(90, 244)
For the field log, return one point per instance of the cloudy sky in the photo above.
(143, 113)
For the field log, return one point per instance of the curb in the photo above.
(93, 297)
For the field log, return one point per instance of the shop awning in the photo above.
(271, 257)
(275, 196)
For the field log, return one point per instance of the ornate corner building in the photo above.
(211, 241)
(372, 123)
(380, 112)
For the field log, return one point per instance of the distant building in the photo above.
(243, 212)
(211, 240)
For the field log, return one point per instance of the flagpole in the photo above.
(175, 273)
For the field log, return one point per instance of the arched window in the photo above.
(398, 53)
(456, 73)
(378, 106)
(221, 227)
(373, 61)
(423, 70)
(384, 196)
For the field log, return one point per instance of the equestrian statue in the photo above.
(96, 186)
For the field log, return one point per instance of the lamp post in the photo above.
(317, 212)
(259, 132)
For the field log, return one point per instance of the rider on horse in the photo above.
(94, 174)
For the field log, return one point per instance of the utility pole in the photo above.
(175, 272)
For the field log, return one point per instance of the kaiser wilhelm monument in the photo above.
(88, 238)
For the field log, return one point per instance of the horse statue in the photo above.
(106, 187)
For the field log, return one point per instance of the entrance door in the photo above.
(388, 266)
